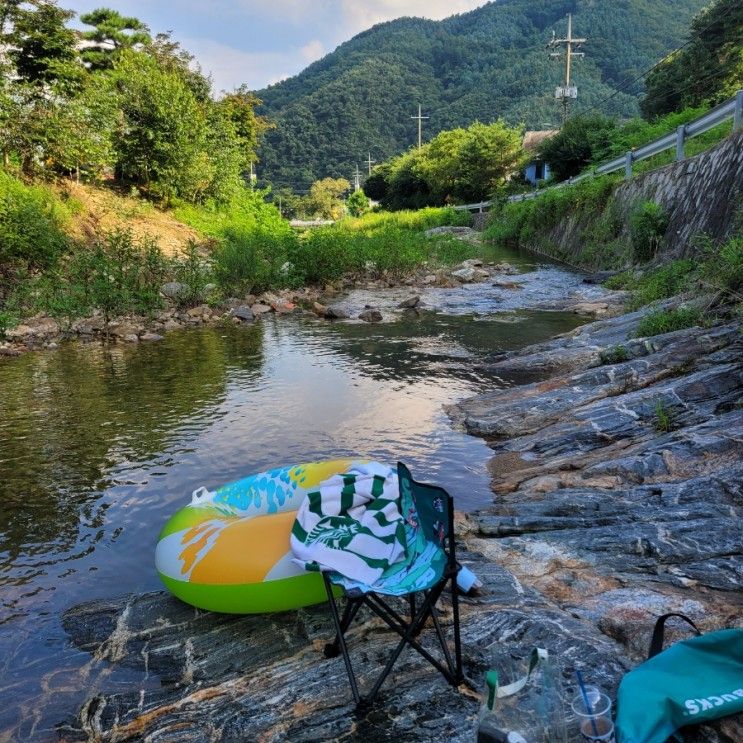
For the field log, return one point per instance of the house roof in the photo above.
(532, 140)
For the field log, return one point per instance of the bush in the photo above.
(723, 265)
(115, 275)
(614, 355)
(31, 227)
(526, 224)
(249, 259)
(666, 281)
(666, 321)
(191, 269)
(647, 225)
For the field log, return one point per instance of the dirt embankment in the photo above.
(102, 210)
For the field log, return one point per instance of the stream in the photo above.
(99, 445)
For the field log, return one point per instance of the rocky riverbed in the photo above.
(618, 485)
(386, 296)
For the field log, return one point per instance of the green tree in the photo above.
(111, 32)
(357, 203)
(707, 70)
(581, 141)
(41, 48)
(172, 57)
(471, 164)
(240, 107)
(162, 139)
(325, 199)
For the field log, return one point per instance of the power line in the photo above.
(650, 69)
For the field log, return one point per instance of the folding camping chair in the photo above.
(428, 566)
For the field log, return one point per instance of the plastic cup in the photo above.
(595, 724)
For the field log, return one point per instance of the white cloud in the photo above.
(312, 51)
(230, 67)
(362, 15)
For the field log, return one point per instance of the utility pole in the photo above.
(420, 118)
(567, 91)
(357, 180)
(370, 162)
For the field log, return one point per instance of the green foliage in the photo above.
(666, 321)
(138, 104)
(722, 268)
(111, 32)
(162, 140)
(470, 67)
(192, 269)
(663, 418)
(31, 229)
(418, 220)
(252, 240)
(42, 49)
(708, 69)
(665, 281)
(239, 107)
(581, 141)
(116, 275)
(325, 199)
(357, 203)
(459, 165)
(614, 355)
(648, 223)
(526, 224)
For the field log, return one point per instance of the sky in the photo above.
(260, 42)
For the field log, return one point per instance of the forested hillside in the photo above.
(482, 65)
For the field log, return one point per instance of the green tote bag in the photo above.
(692, 681)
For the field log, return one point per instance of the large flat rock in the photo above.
(618, 489)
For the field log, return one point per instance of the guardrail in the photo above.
(732, 108)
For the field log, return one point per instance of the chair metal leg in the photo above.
(408, 639)
(341, 639)
(442, 641)
(349, 612)
(458, 674)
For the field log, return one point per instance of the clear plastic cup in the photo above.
(594, 722)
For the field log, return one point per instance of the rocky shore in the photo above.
(618, 485)
(44, 332)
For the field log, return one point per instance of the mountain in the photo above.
(488, 63)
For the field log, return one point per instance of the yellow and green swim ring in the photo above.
(228, 550)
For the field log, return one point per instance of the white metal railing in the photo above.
(732, 108)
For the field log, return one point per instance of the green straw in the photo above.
(586, 701)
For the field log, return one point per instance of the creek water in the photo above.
(99, 445)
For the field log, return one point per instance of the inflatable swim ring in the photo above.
(228, 550)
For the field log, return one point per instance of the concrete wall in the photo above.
(701, 195)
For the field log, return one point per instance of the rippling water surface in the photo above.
(98, 446)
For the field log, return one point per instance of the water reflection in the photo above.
(98, 446)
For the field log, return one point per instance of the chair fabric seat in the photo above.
(402, 578)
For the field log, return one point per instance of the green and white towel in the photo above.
(352, 524)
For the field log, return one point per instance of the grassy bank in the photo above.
(526, 224)
(52, 260)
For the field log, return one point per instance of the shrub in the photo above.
(191, 269)
(116, 275)
(31, 226)
(666, 321)
(647, 225)
(357, 203)
(666, 281)
(723, 265)
(614, 355)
